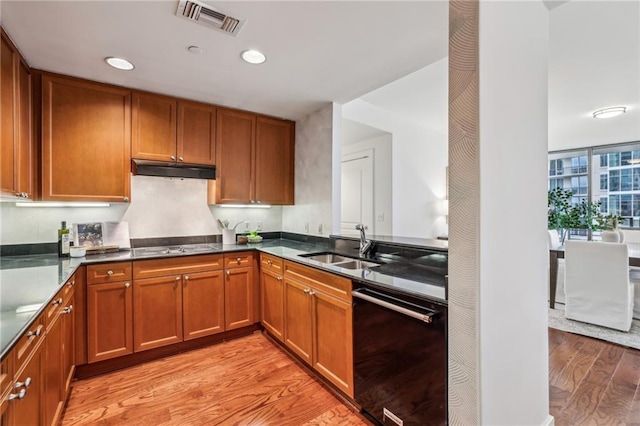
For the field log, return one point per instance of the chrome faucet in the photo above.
(365, 245)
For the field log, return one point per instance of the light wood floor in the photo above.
(591, 382)
(247, 381)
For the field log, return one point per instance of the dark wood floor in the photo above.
(247, 381)
(591, 383)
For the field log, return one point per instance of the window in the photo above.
(604, 205)
(603, 160)
(612, 177)
(604, 181)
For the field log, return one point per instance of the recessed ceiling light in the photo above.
(253, 56)
(120, 63)
(609, 112)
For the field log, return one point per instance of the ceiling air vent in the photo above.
(208, 16)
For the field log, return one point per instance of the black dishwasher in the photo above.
(400, 357)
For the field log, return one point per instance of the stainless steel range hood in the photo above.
(167, 169)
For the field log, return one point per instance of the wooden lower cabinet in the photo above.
(29, 410)
(157, 312)
(239, 296)
(53, 375)
(68, 345)
(318, 322)
(272, 302)
(203, 304)
(109, 320)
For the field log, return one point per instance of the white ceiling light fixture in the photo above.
(119, 63)
(196, 50)
(609, 112)
(253, 56)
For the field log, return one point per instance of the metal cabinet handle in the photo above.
(125, 199)
(312, 293)
(279, 278)
(35, 333)
(177, 278)
(57, 302)
(24, 384)
(109, 272)
(19, 395)
(269, 262)
(306, 291)
(239, 260)
(186, 277)
(71, 283)
(228, 273)
(68, 309)
(252, 201)
(173, 157)
(181, 158)
(127, 285)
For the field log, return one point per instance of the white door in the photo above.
(357, 192)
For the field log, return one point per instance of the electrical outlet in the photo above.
(306, 227)
(247, 227)
(380, 217)
(258, 226)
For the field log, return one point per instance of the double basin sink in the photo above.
(340, 260)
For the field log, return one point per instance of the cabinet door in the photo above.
(272, 303)
(298, 321)
(8, 97)
(53, 375)
(29, 410)
(157, 312)
(274, 161)
(239, 303)
(333, 340)
(154, 127)
(235, 137)
(196, 133)
(109, 320)
(86, 139)
(25, 151)
(203, 304)
(68, 346)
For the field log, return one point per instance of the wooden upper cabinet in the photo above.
(154, 127)
(274, 161)
(86, 140)
(235, 138)
(17, 174)
(254, 160)
(196, 133)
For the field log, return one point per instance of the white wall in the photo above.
(314, 179)
(513, 345)
(160, 207)
(419, 169)
(382, 179)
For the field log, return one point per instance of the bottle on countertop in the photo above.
(63, 240)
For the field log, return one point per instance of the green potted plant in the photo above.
(558, 211)
(610, 232)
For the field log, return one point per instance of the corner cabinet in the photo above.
(86, 140)
(255, 159)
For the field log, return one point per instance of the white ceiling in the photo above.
(317, 52)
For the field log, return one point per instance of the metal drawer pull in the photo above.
(428, 318)
(269, 262)
(127, 285)
(173, 157)
(57, 302)
(68, 309)
(177, 278)
(306, 291)
(186, 277)
(181, 158)
(239, 260)
(279, 278)
(24, 384)
(19, 395)
(109, 272)
(34, 333)
(312, 293)
(228, 273)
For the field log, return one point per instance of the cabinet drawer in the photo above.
(108, 272)
(176, 265)
(53, 308)
(271, 263)
(67, 289)
(6, 374)
(28, 343)
(238, 260)
(320, 280)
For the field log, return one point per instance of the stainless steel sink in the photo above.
(357, 264)
(326, 257)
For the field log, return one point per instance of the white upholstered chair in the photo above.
(554, 241)
(597, 286)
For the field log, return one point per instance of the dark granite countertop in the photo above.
(35, 279)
